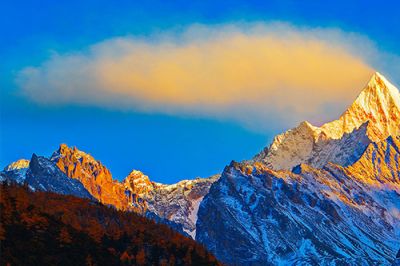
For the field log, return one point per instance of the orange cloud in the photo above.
(244, 73)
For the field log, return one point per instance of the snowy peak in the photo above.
(378, 91)
(297, 143)
(42, 174)
(376, 109)
(20, 164)
(380, 84)
(95, 177)
(379, 103)
(137, 177)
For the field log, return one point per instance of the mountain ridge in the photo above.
(329, 216)
(378, 104)
(176, 204)
(326, 195)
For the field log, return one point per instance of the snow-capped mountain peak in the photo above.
(20, 164)
(379, 103)
(377, 108)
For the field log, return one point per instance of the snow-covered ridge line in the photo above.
(377, 108)
(20, 164)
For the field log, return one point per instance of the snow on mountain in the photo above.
(377, 108)
(379, 102)
(397, 260)
(325, 195)
(20, 164)
(180, 202)
(15, 171)
(42, 174)
(177, 203)
(336, 215)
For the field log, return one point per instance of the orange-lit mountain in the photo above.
(177, 203)
(326, 195)
(95, 177)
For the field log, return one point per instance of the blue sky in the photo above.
(168, 146)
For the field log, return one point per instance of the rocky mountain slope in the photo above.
(41, 174)
(77, 173)
(316, 196)
(334, 215)
(180, 202)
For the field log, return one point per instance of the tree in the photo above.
(89, 260)
(64, 237)
(141, 257)
(125, 257)
(172, 259)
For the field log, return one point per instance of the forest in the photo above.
(44, 228)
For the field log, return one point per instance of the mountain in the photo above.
(175, 205)
(43, 228)
(325, 195)
(377, 109)
(180, 202)
(42, 174)
(397, 260)
(379, 103)
(94, 176)
(331, 216)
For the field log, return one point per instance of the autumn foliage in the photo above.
(43, 228)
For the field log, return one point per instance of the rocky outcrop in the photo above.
(95, 177)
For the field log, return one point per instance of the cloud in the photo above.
(260, 75)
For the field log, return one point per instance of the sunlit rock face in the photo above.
(175, 204)
(96, 178)
(325, 195)
(372, 117)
